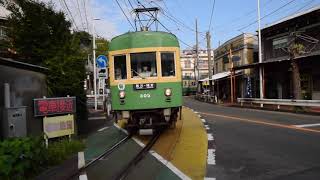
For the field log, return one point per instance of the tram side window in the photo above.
(143, 65)
(167, 64)
(120, 67)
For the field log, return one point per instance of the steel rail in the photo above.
(104, 154)
(125, 171)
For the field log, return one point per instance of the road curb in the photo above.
(211, 153)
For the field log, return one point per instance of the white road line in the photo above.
(97, 118)
(83, 177)
(139, 142)
(211, 159)
(210, 137)
(170, 166)
(196, 112)
(209, 178)
(207, 127)
(203, 120)
(123, 130)
(103, 129)
(81, 161)
(307, 125)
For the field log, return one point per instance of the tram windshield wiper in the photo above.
(138, 74)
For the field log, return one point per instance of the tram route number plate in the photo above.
(144, 86)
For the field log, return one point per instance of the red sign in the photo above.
(53, 106)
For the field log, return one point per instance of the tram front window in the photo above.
(167, 64)
(143, 65)
(120, 67)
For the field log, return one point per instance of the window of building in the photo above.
(143, 65)
(187, 63)
(279, 43)
(120, 67)
(167, 64)
(2, 31)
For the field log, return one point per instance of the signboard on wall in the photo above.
(58, 126)
(54, 106)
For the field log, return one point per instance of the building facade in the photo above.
(238, 51)
(294, 39)
(188, 64)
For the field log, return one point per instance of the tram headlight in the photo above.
(168, 92)
(122, 94)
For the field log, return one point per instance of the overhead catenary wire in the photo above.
(169, 15)
(164, 26)
(125, 15)
(272, 12)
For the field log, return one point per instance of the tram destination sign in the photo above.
(54, 106)
(144, 86)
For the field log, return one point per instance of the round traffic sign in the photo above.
(102, 61)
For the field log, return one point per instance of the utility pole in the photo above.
(209, 61)
(94, 66)
(260, 55)
(197, 53)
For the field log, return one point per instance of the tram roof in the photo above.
(143, 39)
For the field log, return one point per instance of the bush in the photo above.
(24, 158)
(61, 150)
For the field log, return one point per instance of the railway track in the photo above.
(104, 154)
(125, 171)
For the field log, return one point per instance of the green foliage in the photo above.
(102, 46)
(296, 49)
(36, 31)
(60, 150)
(23, 158)
(20, 157)
(42, 36)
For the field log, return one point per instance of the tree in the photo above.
(42, 36)
(36, 31)
(295, 50)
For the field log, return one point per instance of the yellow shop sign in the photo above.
(58, 126)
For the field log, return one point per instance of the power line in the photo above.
(69, 12)
(85, 13)
(125, 15)
(212, 10)
(78, 7)
(165, 26)
(266, 15)
(173, 18)
(235, 20)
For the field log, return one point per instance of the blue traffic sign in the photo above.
(102, 61)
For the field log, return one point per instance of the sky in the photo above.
(230, 17)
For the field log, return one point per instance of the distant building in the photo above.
(188, 59)
(238, 51)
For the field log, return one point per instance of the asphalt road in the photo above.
(256, 144)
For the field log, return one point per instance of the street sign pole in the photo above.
(102, 62)
(94, 67)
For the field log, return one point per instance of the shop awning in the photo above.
(220, 75)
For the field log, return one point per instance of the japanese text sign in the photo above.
(58, 126)
(54, 106)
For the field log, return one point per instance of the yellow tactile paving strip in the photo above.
(185, 146)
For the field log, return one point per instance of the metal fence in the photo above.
(279, 102)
